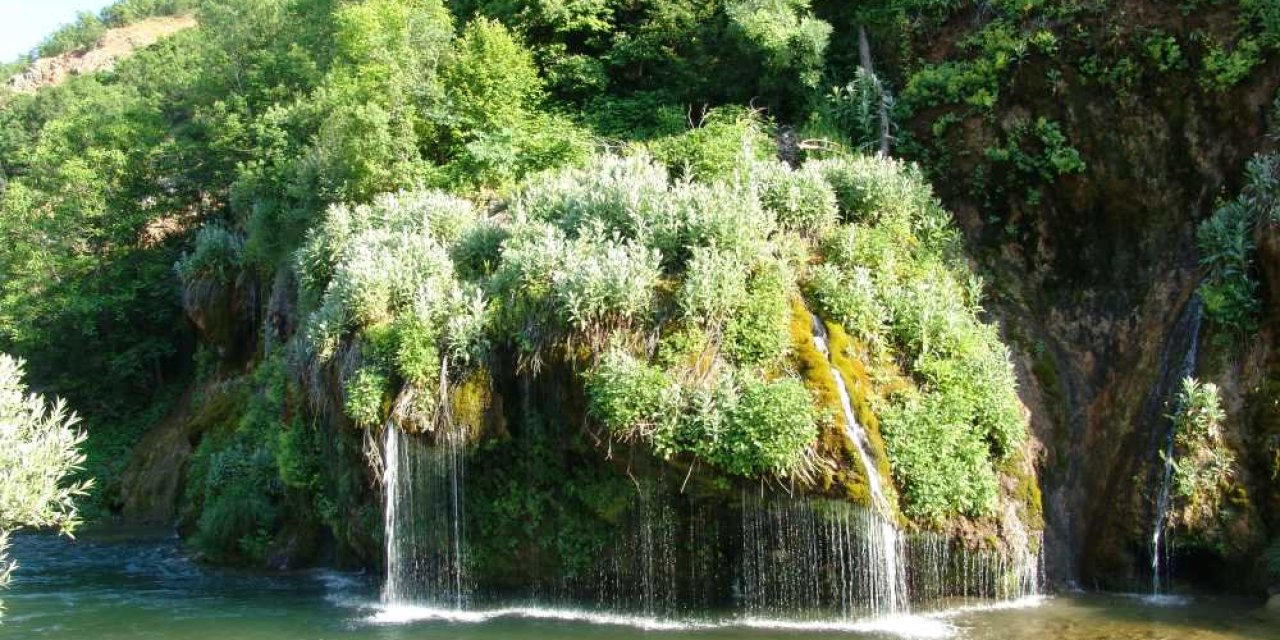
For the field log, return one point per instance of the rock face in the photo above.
(1090, 282)
(152, 480)
(116, 44)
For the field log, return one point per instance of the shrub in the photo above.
(850, 299)
(721, 215)
(1229, 289)
(769, 430)
(724, 147)
(757, 334)
(876, 190)
(83, 34)
(939, 462)
(626, 195)
(802, 199)
(633, 399)
(218, 256)
(39, 452)
(715, 283)
(125, 12)
(604, 282)
(1202, 464)
(365, 391)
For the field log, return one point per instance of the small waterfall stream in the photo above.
(422, 516)
(863, 545)
(1183, 342)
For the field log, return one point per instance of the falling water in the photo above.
(425, 542)
(673, 556)
(852, 427)
(841, 558)
(1184, 340)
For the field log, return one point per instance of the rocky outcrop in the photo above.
(116, 44)
(1090, 281)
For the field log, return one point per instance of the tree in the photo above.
(39, 451)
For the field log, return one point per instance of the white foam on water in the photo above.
(1160, 599)
(903, 626)
(404, 614)
(1025, 602)
(927, 626)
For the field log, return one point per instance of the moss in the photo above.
(833, 444)
(847, 354)
(472, 399)
(1026, 490)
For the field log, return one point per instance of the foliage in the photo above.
(365, 392)
(723, 146)
(125, 12)
(83, 34)
(802, 199)
(39, 452)
(217, 256)
(854, 109)
(1227, 251)
(1202, 464)
(1224, 69)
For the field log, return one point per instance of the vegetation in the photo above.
(39, 452)
(589, 189)
(1202, 464)
(1228, 252)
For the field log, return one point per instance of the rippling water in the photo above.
(101, 588)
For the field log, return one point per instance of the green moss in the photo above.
(847, 355)
(1026, 490)
(847, 478)
(472, 399)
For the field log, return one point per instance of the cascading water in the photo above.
(674, 556)
(1183, 341)
(889, 588)
(422, 511)
(862, 546)
(852, 427)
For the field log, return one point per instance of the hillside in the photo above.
(115, 44)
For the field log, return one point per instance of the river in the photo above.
(126, 586)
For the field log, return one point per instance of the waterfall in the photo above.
(422, 517)
(891, 582)
(1183, 340)
(844, 558)
(672, 555)
(853, 428)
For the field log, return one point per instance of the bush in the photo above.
(624, 195)
(83, 34)
(633, 399)
(39, 452)
(802, 199)
(605, 283)
(724, 147)
(125, 12)
(850, 299)
(940, 463)
(365, 391)
(769, 430)
(758, 334)
(715, 283)
(1202, 464)
(217, 256)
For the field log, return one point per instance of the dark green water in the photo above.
(100, 588)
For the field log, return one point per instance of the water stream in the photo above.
(424, 526)
(1176, 363)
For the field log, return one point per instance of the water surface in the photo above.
(104, 588)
